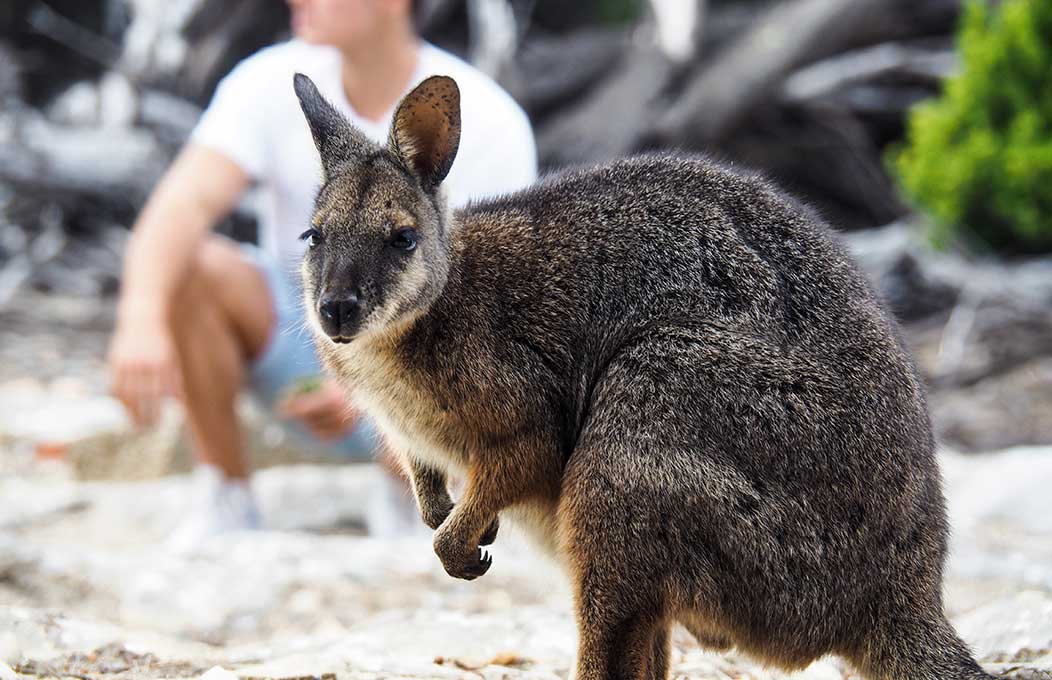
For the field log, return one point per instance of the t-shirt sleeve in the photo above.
(234, 123)
(501, 159)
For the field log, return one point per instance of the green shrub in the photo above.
(619, 11)
(979, 158)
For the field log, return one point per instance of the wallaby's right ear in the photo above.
(425, 132)
(338, 142)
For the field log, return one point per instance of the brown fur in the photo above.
(667, 370)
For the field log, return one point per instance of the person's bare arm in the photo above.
(199, 189)
(325, 410)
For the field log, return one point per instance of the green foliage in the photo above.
(979, 158)
(619, 11)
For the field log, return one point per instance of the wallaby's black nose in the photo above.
(338, 313)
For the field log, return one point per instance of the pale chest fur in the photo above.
(407, 415)
(411, 420)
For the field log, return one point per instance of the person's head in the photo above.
(343, 23)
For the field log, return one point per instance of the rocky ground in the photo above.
(87, 589)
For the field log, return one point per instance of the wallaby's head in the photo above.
(377, 244)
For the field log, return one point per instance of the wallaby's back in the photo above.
(793, 458)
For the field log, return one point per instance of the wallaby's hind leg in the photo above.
(618, 570)
(630, 647)
(917, 650)
(659, 658)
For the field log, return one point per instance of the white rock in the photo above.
(1005, 487)
(1009, 625)
(219, 673)
(10, 648)
(37, 415)
(823, 669)
(118, 101)
(77, 105)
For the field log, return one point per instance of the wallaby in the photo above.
(667, 371)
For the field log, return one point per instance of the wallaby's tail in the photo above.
(918, 650)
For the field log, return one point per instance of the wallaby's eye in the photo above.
(404, 239)
(312, 236)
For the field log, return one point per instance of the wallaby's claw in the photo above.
(491, 533)
(485, 560)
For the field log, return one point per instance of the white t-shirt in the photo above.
(255, 120)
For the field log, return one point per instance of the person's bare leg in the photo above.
(223, 318)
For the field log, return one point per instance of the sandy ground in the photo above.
(87, 589)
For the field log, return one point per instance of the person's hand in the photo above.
(144, 367)
(325, 410)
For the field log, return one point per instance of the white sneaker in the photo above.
(217, 505)
(391, 511)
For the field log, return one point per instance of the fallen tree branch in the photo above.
(787, 36)
(825, 77)
(49, 23)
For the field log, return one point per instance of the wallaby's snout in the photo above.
(340, 314)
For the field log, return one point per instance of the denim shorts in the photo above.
(289, 357)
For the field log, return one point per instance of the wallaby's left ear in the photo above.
(338, 142)
(425, 133)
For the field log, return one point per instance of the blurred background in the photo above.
(921, 129)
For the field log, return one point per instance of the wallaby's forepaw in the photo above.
(491, 533)
(458, 563)
(436, 513)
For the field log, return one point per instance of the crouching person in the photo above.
(201, 317)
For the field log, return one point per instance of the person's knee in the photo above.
(204, 337)
(223, 283)
(217, 261)
(195, 294)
